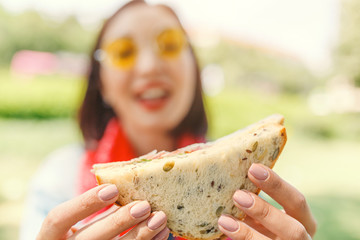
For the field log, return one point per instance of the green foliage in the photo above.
(251, 67)
(347, 53)
(336, 216)
(357, 79)
(234, 109)
(39, 98)
(32, 31)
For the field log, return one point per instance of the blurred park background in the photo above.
(297, 58)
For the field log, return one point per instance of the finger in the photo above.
(164, 234)
(273, 219)
(148, 228)
(258, 227)
(117, 222)
(238, 230)
(293, 202)
(63, 217)
(99, 215)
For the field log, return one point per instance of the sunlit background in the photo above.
(300, 58)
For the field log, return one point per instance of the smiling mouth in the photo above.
(153, 98)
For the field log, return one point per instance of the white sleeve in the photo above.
(55, 182)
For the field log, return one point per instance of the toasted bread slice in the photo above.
(194, 185)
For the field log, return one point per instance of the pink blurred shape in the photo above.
(33, 63)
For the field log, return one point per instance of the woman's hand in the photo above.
(264, 221)
(60, 221)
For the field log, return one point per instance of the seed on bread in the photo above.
(254, 147)
(219, 210)
(168, 166)
(262, 155)
(275, 154)
(204, 224)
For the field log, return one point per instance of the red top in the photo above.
(114, 146)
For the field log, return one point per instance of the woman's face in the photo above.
(147, 89)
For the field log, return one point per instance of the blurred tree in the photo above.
(32, 31)
(347, 54)
(260, 69)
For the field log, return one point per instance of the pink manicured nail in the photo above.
(164, 234)
(258, 172)
(140, 209)
(243, 199)
(157, 220)
(108, 193)
(228, 223)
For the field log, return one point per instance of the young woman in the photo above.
(144, 93)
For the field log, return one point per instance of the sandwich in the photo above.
(194, 185)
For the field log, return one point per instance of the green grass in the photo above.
(41, 97)
(236, 108)
(336, 216)
(23, 146)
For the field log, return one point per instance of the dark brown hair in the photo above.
(94, 114)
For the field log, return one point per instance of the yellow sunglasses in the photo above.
(122, 52)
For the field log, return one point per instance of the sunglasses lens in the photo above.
(122, 53)
(170, 43)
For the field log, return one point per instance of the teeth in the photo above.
(153, 93)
